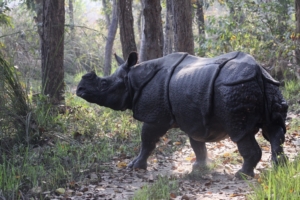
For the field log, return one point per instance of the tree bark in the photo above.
(182, 23)
(139, 26)
(297, 35)
(110, 39)
(152, 34)
(169, 33)
(126, 27)
(39, 17)
(106, 13)
(200, 22)
(71, 15)
(52, 49)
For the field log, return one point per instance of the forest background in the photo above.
(49, 137)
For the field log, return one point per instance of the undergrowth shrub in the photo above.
(15, 110)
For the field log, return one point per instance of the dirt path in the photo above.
(219, 183)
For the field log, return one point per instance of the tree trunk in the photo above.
(200, 22)
(52, 49)
(106, 13)
(126, 27)
(39, 17)
(169, 33)
(139, 26)
(110, 39)
(297, 35)
(152, 34)
(182, 23)
(71, 15)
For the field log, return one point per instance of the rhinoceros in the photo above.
(208, 98)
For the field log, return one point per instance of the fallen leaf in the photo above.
(151, 179)
(266, 148)
(191, 159)
(207, 183)
(234, 195)
(172, 195)
(226, 154)
(60, 191)
(122, 165)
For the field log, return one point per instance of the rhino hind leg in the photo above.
(251, 153)
(150, 136)
(276, 137)
(201, 154)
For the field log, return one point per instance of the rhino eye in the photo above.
(103, 84)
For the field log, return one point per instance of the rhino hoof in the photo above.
(200, 166)
(244, 176)
(137, 164)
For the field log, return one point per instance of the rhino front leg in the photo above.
(200, 152)
(251, 153)
(150, 136)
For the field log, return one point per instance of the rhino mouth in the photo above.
(80, 94)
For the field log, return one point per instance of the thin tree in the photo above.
(169, 33)
(110, 39)
(107, 12)
(200, 22)
(152, 34)
(126, 27)
(71, 15)
(182, 23)
(38, 5)
(52, 50)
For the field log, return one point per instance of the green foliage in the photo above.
(260, 29)
(291, 88)
(291, 93)
(72, 144)
(294, 125)
(15, 111)
(279, 183)
(5, 20)
(161, 189)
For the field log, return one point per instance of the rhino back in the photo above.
(202, 91)
(243, 68)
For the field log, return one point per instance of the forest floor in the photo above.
(117, 182)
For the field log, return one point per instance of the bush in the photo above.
(15, 110)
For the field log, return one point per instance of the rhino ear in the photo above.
(119, 60)
(132, 59)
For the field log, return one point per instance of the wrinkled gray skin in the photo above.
(207, 98)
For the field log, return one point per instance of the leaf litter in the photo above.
(118, 182)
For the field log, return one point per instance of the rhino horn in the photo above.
(119, 60)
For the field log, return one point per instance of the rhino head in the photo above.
(110, 91)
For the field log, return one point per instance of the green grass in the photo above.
(279, 183)
(291, 93)
(163, 188)
(70, 146)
